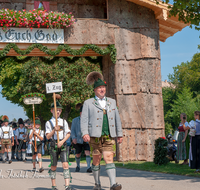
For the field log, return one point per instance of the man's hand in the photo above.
(119, 140)
(17, 142)
(57, 128)
(74, 141)
(60, 144)
(12, 143)
(183, 140)
(86, 138)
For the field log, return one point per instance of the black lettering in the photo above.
(48, 37)
(23, 37)
(39, 35)
(17, 36)
(28, 35)
(55, 36)
(9, 34)
(54, 87)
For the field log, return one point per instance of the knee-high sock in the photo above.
(23, 155)
(88, 160)
(96, 173)
(9, 155)
(3, 157)
(78, 159)
(111, 171)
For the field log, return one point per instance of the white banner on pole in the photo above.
(54, 87)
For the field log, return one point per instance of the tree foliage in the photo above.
(185, 98)
(188, 11)
(18, 78)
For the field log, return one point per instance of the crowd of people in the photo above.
(96, 130)
(188, 143)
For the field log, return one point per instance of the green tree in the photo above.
(187, 10)
(22, 77)
(187, 74)
(185, 103)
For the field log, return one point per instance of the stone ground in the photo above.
(130, 179)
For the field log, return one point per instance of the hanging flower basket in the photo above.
(35, 18)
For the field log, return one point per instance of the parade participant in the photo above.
(6, 134)
(29, 147)
(14, 127)
(39, 138)
(1, 124)
(78, 142)
(21, 137)
(194, 153)
(56, 149)
(100, 124)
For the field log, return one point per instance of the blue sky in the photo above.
(175, 50)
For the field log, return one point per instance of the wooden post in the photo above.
(55, 109)
(34, 128)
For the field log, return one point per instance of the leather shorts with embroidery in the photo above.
(101, 144)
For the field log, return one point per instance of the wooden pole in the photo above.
(55, 109)
(34, 128)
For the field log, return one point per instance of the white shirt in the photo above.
(6, 132)
(20, 132)
(186, 124)
(102, 102)
(192, 123)
(40, 134)
(48, 128)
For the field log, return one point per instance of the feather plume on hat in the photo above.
(92, 77)
(5, 118)
(78, 106)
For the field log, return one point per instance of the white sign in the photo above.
(33, 100)
(36, 35)
(54, 87)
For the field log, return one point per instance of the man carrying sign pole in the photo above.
(57, 130)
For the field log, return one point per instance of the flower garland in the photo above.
(35, 18)
(35, 94)
(108, 50)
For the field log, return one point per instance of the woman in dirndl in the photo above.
(182, 142)
(194, 153)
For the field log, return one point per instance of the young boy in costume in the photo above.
(21, 137)
(78, 142)
(6, 134)
(51, 130)
(39, 136)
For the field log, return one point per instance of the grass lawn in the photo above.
(170, 168)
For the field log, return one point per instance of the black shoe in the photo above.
(116, 186)
(10, 161)
(89, 170)
(41, 170)
(24, 160)
(77, 169)
(54, 188)
(34, 169)
(68, 188)
(97, 187)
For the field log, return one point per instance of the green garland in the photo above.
(108, 50)
(34, 94)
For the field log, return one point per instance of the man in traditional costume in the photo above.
(14, 127)
(51, 131)
(21, 138)
(6, 135)
(100, 125)
(39, 136)
(78, 142)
